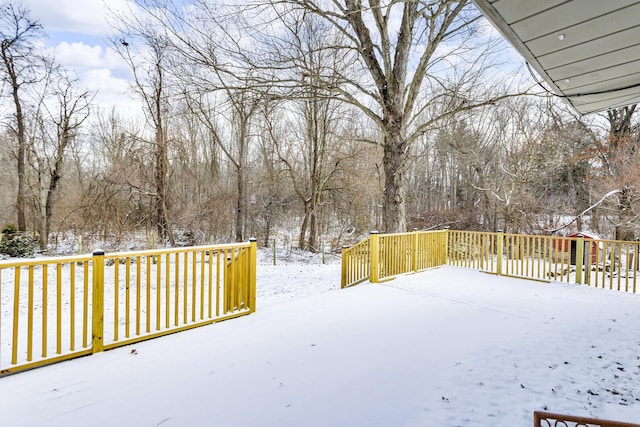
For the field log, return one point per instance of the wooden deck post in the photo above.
(97, 307)
(374, 257)
(579, 258)
(499, 251)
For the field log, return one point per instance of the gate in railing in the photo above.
(54, 309)
(607, 264)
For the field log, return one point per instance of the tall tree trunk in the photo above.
(313, 227)
(394, 193)
(619, 135)
(22, 150)
(241, 202)
(51, 193)
(625, 230)
(302, 244)
(620, 123)
(160, 220)
(17, 42)
(163, 226)
(54, 179)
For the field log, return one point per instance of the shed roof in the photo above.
(587, 51)
(586, 235)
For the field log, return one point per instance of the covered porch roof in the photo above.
(587, 51)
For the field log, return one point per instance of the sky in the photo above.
(78, 33)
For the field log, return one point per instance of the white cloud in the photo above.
(82, 57)
(111, 91)
(102, 80)
(86, 17)
(79, 55)
(101, 70)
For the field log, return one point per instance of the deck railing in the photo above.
(607, 264)
(547, 419)
(54, 309)
(383, 256)
(355, 263)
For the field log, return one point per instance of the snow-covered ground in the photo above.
(295, 274)
(446, 347)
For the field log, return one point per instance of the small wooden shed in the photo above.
(567, 246)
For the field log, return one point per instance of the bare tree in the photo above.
(620, 122)
(68, 113)
(194, 36)
(112, 203)
(391, 51)
(270, 188)
(312, 153)
(243, 107)
(485, 169)
(387, 53)
(228, 117)
(7, 175)
(151, 83)
(622, 155)
(20, 67)
(197, 172)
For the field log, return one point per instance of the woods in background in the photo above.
(302, 121)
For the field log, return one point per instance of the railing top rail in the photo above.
(382, 235)
(355, 245)
(431, 231)
(623, 242)
(544, 236)
(409, 233)
(536, 236)
(391, 235)
(4, 264)
(44, 260)
(151, 252)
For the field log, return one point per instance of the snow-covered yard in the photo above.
(446, 347)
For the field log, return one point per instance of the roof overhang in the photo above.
(587, 51)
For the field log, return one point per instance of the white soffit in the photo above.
(588, 51)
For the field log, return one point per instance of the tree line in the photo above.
(304, 120)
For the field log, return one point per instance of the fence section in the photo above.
(606, 264)
(383, 256)
(54, 309)
(614, 265)
(355, 264)
(431, 249)
(45, 312)
(473, 250)
(533, 257)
